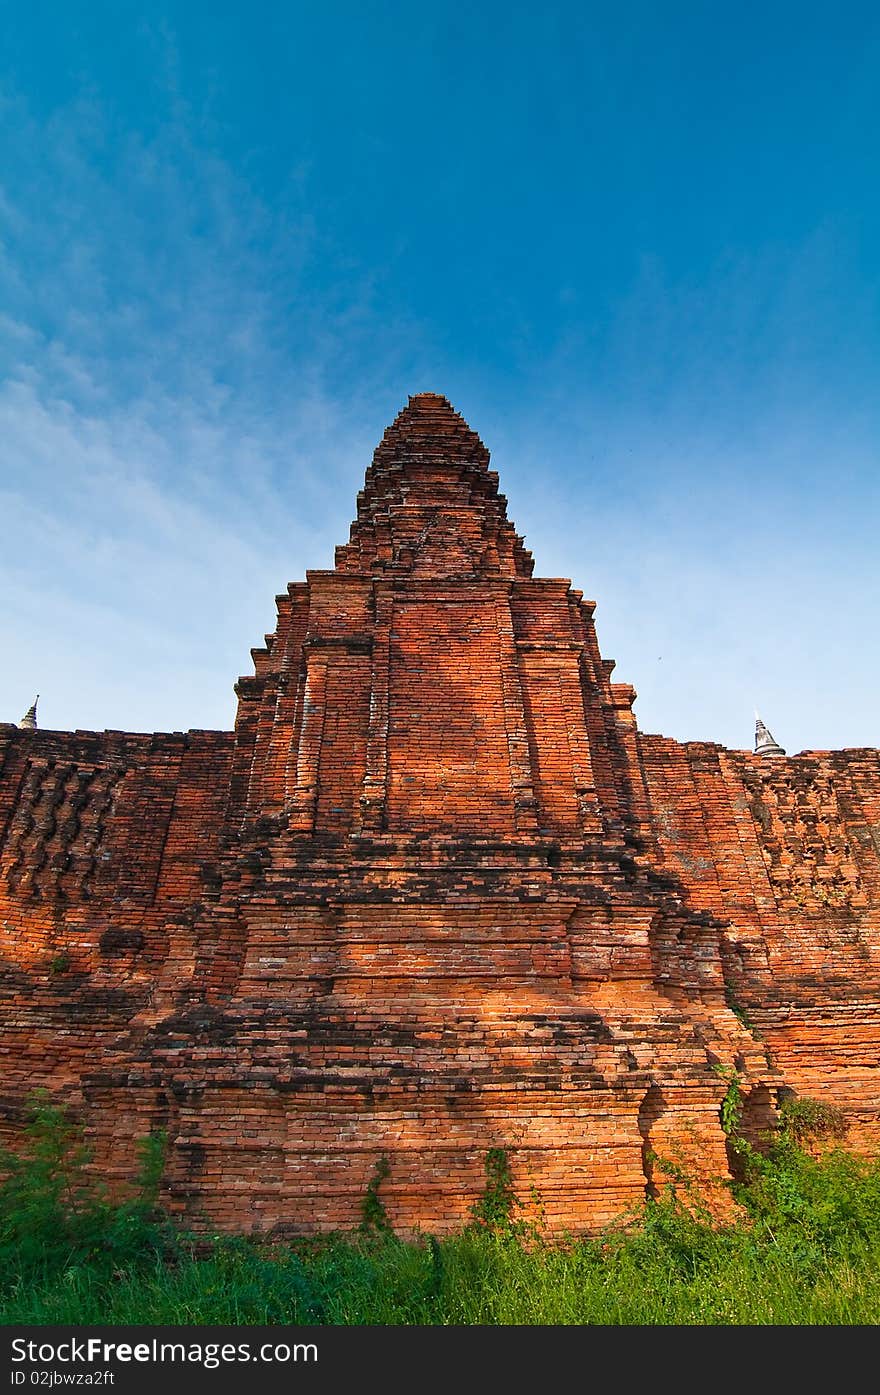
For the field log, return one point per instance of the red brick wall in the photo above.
(786, 852)
(435, 894)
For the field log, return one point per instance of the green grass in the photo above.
(806, 1250)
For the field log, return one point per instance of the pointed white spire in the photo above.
(29, 720)
(765, 745)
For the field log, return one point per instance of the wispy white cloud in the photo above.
(159, 542)
(171, 450)
(186, 413)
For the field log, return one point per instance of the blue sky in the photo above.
(637, 247)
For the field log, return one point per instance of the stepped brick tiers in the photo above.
(435, 894)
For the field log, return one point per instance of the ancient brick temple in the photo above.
(435, 894)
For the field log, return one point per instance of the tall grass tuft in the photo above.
(805, 1250)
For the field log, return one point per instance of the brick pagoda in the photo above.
(435, 894)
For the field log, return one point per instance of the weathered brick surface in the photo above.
(435, 894)
(786, 852)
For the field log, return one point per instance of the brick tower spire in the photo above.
(430, 504)
(422, 685)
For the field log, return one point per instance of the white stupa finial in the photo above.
(765, 745)
(29, 720)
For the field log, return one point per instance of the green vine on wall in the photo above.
(374, 1217)
(732, 1103)
(494, 1209)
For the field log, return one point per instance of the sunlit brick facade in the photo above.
(436, 893)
